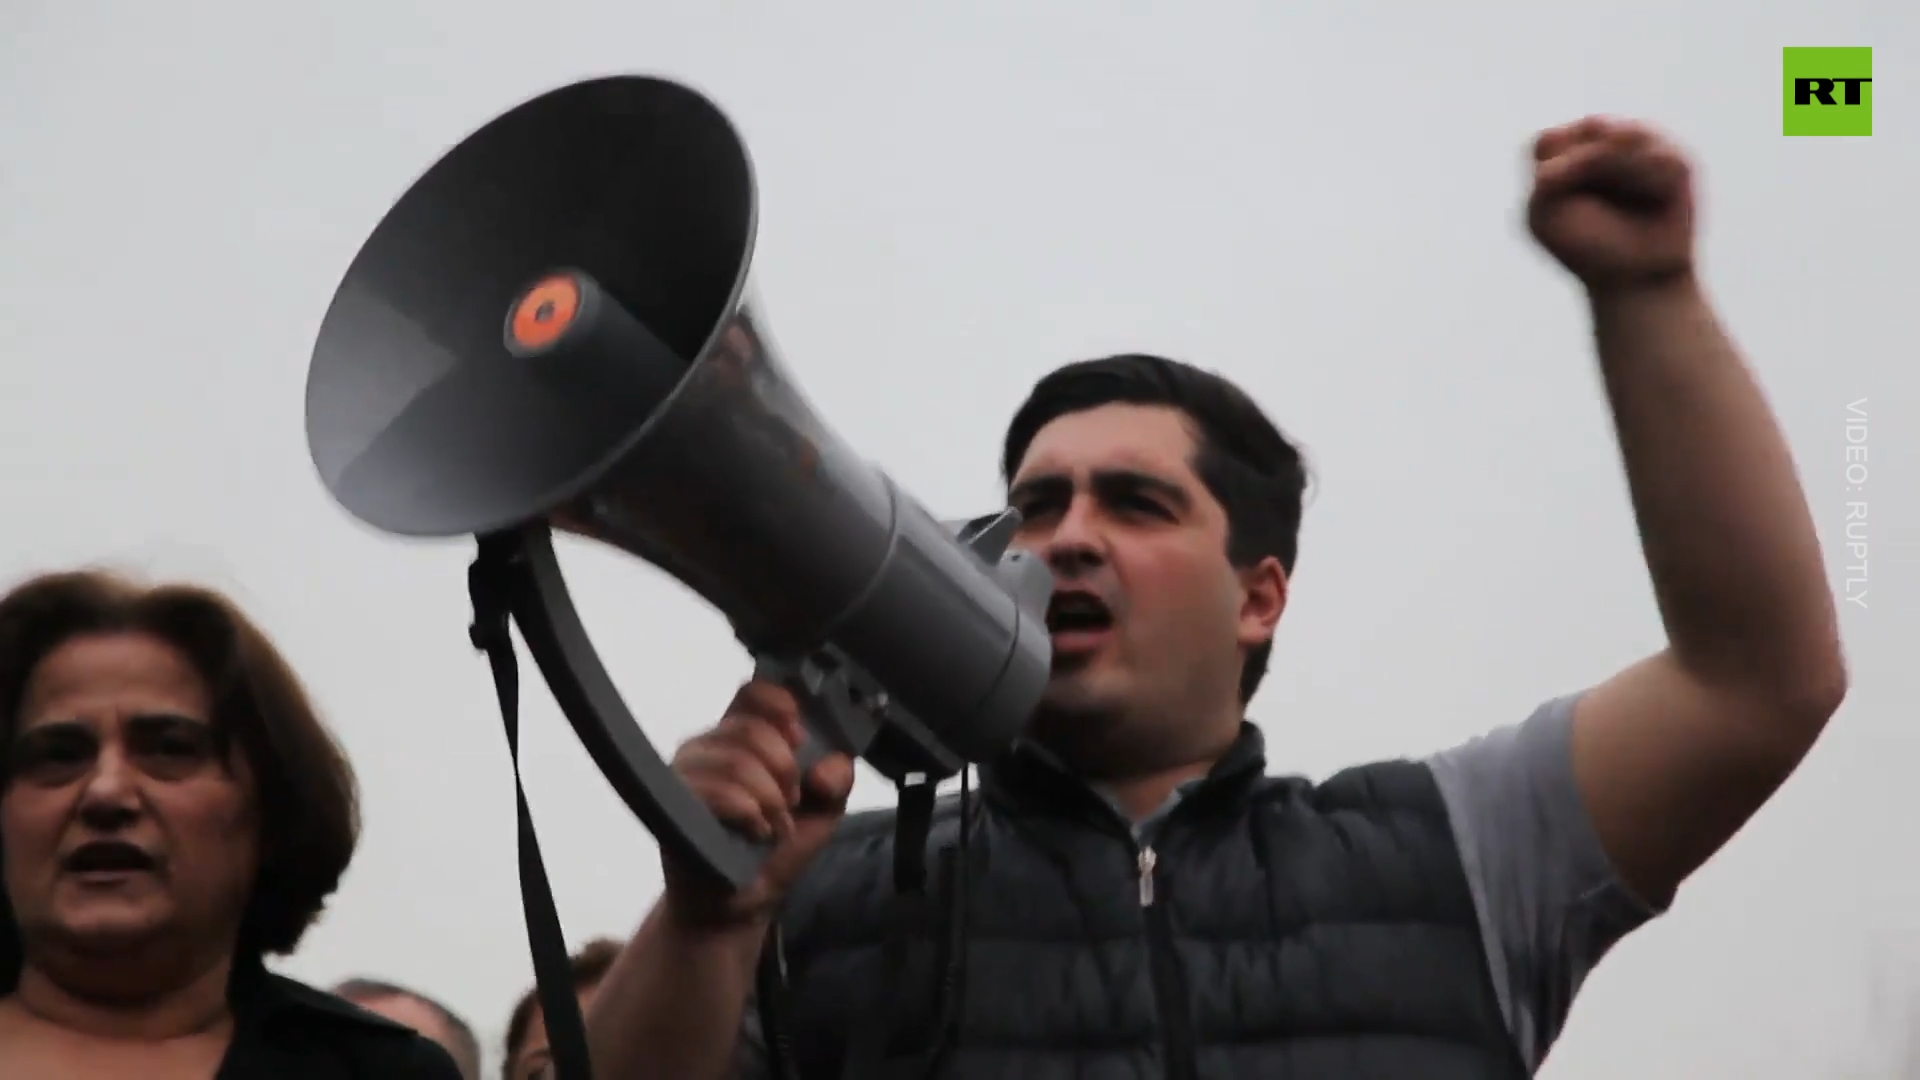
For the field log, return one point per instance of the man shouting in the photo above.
(1131, 895)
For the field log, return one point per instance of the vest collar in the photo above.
(1028, 776)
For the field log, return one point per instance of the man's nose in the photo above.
(1077, 543)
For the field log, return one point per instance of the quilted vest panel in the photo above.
(1286, 930)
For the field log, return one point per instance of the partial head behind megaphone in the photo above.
(552, 327)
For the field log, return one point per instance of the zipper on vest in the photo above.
(1169, 984)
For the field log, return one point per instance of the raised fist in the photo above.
(1613, 202)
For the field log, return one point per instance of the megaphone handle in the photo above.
(825, 717)
(812, 749)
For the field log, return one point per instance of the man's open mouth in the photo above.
(1076, 613)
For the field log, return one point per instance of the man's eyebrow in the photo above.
(1133, 481)
(1105, 481)
(1052, 486)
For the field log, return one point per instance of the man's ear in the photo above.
(1264, 597)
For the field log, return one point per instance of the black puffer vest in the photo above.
(1274, 928)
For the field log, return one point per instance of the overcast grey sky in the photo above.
(1319, 200)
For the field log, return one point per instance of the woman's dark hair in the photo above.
(1259, 478)
(303, 785)
(588, 966)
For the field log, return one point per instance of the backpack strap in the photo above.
(913, 1003)
(899, 991)
(770, 998)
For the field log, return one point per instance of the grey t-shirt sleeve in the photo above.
(1549, 901)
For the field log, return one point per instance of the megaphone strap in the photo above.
(489, 587)
(915, 999)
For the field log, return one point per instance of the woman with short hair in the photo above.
(172, 812)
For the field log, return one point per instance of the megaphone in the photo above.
(553, 329)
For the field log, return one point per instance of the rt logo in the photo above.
(1827, 91)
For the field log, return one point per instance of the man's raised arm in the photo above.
(1674, 754)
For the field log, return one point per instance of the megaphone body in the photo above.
(553, 329)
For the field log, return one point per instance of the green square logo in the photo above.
(1826, 91)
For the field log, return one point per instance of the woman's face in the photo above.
(120, 821)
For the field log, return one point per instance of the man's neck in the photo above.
(73, 996)
(1139, 797)
(1136, 793)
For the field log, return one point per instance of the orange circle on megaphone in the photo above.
(544, 312)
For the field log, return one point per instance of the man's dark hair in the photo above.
(466, 1051)
(307, 797)
(1243, 459)
(588, 966)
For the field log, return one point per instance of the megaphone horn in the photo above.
(552, 330)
